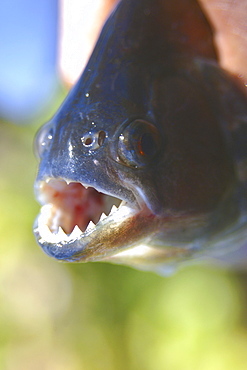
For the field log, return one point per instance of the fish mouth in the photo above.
(79, 222)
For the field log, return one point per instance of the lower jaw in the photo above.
(110, 235)
(70, 209)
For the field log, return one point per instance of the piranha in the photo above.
(145, 162)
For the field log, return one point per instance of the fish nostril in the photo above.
(93, 140)
(88, 141)
(101, 137)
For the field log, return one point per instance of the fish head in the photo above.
(88, 152)
(115, 173)
(139, 163)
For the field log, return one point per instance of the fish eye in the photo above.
(93, 140)
(138, 143)
(43, 140)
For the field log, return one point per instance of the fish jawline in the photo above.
(82, 245)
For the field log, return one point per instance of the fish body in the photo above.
(155, 128)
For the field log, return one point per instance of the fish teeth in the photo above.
(113, 209)
(90, 226)
(46, 233)
(59, 237)
(61, 234)
(102, 217)
(51, 237)
(76, 233)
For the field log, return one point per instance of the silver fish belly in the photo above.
(145, 163)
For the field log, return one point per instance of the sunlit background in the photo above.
(98, 316)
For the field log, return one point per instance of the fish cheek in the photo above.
(197, 172)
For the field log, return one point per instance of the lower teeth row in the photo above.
(60, 236)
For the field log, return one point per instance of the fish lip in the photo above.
(77, 245)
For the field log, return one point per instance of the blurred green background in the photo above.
(56, 316)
